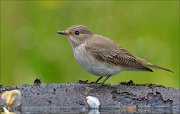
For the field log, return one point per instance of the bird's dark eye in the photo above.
(76, 32)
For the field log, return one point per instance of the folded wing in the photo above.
(107, 51)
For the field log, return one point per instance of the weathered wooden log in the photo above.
(71, 96)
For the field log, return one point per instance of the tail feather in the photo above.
(148, 64)
(159, 67)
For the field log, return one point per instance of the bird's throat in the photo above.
(74, 43)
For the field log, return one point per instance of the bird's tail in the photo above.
(148, 64)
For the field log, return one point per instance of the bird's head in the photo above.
(77, 34)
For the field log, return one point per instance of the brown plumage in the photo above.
(109, 52)
(101, 56)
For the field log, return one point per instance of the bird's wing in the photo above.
(106, 50)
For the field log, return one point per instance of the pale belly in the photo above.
(93, 66)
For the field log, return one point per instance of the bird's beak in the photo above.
(62, 32)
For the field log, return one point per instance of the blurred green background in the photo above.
(31, 48)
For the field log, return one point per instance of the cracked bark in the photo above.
(146, 98)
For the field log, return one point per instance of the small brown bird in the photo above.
(101, 56)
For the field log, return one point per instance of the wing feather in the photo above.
(106, 50)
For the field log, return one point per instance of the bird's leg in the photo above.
(98, 79)
(101, 82)
(105, 79)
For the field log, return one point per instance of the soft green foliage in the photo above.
(31, 48)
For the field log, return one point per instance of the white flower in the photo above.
(93, 102)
